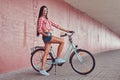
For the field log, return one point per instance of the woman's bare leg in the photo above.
(60, 47)
(47, 49)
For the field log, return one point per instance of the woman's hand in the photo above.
(44, 34)
(71, 31)
(48, 34)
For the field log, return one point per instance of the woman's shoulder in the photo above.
(41, 18)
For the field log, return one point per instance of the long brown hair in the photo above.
(40, 14)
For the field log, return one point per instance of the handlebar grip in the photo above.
(63, 35)
(71, 32)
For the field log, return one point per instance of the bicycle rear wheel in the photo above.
(36, 60)
(82, 62)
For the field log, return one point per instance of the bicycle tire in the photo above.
(86, 57)
(37, 66)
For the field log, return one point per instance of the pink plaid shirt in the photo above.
(46, 25)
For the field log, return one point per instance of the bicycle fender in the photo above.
(35, 48)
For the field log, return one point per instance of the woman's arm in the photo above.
(60, 28)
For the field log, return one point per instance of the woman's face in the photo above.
(45, 11)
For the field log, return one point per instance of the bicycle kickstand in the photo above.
(55, 68)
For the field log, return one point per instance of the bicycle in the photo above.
(82, 61)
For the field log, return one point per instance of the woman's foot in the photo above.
(43, 72)
(59, 60)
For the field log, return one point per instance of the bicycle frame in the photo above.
(71, 47)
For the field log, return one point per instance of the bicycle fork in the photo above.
(76, 52)
(80, 58)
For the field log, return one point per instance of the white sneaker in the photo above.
(43, 72)
(59, 60)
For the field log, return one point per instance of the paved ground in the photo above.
(107, 68)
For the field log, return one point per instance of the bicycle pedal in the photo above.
(60, 64)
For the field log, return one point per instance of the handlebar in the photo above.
(66, 34)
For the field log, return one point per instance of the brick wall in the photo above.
(18, 30)
(17, 33)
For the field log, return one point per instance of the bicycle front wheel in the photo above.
(36, 60)
(82, 61)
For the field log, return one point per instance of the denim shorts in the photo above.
(47, 39)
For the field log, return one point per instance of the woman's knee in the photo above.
(62, 42)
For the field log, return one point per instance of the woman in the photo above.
(44, 27)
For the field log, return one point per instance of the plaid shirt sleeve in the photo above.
(54, 24)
